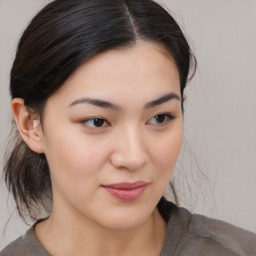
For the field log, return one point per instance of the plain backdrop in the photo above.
(220, 111)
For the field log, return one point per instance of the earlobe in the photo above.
(29, 127)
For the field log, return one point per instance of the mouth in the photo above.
(126, 191)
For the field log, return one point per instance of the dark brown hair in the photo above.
(61, 37)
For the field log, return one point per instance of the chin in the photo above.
(125, 220)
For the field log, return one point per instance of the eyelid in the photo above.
(85, 121)
(168, 115)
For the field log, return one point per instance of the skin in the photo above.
(136, 142)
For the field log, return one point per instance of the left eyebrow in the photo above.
(163, 99)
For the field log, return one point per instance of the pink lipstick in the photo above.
(126, 191)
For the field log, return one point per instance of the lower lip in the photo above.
(126, 194)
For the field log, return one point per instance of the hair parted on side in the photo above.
(58, 40)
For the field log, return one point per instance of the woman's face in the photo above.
(112, 135)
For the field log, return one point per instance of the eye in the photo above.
(95, 122)
(161, 119)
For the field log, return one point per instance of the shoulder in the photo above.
(200, 235)
(25, 245)
(222, 235)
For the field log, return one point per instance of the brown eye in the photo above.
(161, 119)
(96, 122)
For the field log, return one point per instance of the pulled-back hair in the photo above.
(58, 40)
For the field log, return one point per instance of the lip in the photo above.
(126, 191)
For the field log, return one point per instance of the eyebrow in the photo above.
(106, 104)
(163, 99)
(96, 102)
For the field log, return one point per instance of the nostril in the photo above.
(129, 149)
(129, 160)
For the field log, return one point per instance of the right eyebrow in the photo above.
(96, 102)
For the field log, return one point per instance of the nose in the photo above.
(129, 151)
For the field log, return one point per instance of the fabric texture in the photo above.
(187, 235)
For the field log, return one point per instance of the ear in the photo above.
(28, 125)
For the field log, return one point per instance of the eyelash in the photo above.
(168, 117)
(104, 123)
(93, 119)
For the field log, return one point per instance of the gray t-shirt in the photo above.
(187, 235)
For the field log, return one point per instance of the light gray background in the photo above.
(220, 115)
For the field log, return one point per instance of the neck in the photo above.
(72, 236)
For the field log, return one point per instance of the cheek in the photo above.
(74, 169)
(72, 159)
(167, 150)
(166, 154)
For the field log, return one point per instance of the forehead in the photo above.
(145, 67)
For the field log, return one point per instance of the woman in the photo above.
(97, 96)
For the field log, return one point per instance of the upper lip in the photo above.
(127, 185)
